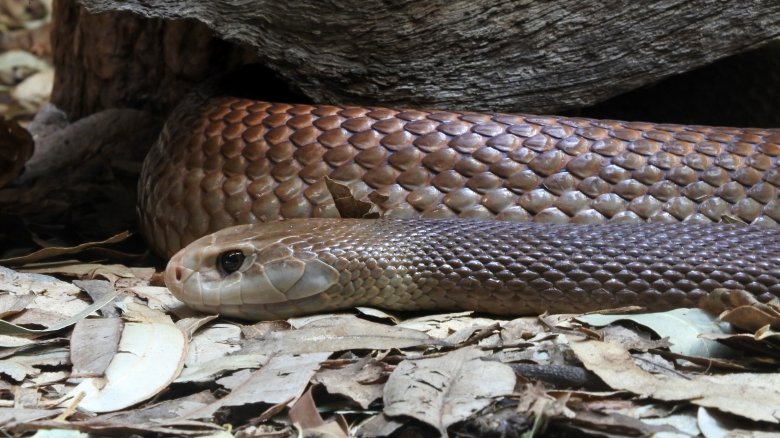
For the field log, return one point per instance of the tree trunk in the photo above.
(121, 59)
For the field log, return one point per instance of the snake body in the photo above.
(303, 266)
(224, 161)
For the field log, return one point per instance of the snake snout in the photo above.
(175, 276)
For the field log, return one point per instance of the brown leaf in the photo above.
(379, 425)
(16, 147)
(443, 390)
(753, 396)
(150, 356)
(11, 304)
(93, 344)
(354, 381)
(282, 379)
(51, 252)
(535, 400)
(338, 333)
(751, 318)
(741, 308)
(304, 412)
(349, 206)
(620, 425)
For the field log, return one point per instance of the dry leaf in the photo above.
(753, 396)
(338, 333)
(741, 308)
(55, 306)
(751, 318)
(159, 418)
(683, 328)
(622, 425)
(303, 412)
(213, 342)
(150, 357)
(17, 65)
(11, 304)
(714, 424)
(34, 91)
(282, 379)
(331, 429)
(93, 344)
(443, 390)
(10, 417)
(346, 203)
(160, 298)
(27, 364)
(379, 425)
(450, 327)
(356, 381)
(208, 371)
(50, 252)
(76, 269)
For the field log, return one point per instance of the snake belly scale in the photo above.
(225, 161)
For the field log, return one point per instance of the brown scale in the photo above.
(224, 161)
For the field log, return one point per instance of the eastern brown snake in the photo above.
(224, 161)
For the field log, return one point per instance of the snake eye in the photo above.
(230, 261)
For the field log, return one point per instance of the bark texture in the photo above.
(124, 60)
(475, 54)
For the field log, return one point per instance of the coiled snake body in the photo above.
(224, 161)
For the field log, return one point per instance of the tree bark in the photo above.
(476, 54)
(120, 59)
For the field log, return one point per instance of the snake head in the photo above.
(260, 271)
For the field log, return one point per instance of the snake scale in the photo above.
(591, 213)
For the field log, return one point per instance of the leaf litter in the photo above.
(362, 373)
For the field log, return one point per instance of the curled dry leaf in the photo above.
(150, 356)
(16, 147)
(753, 396)
(443, 390)
(714, 424)
(351, 207)
(751, 318)
(16, 65)
(741, 309)
(33, 92)
(304, 412)
(52, 251)
(683, 328)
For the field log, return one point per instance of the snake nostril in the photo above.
(177, 273)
